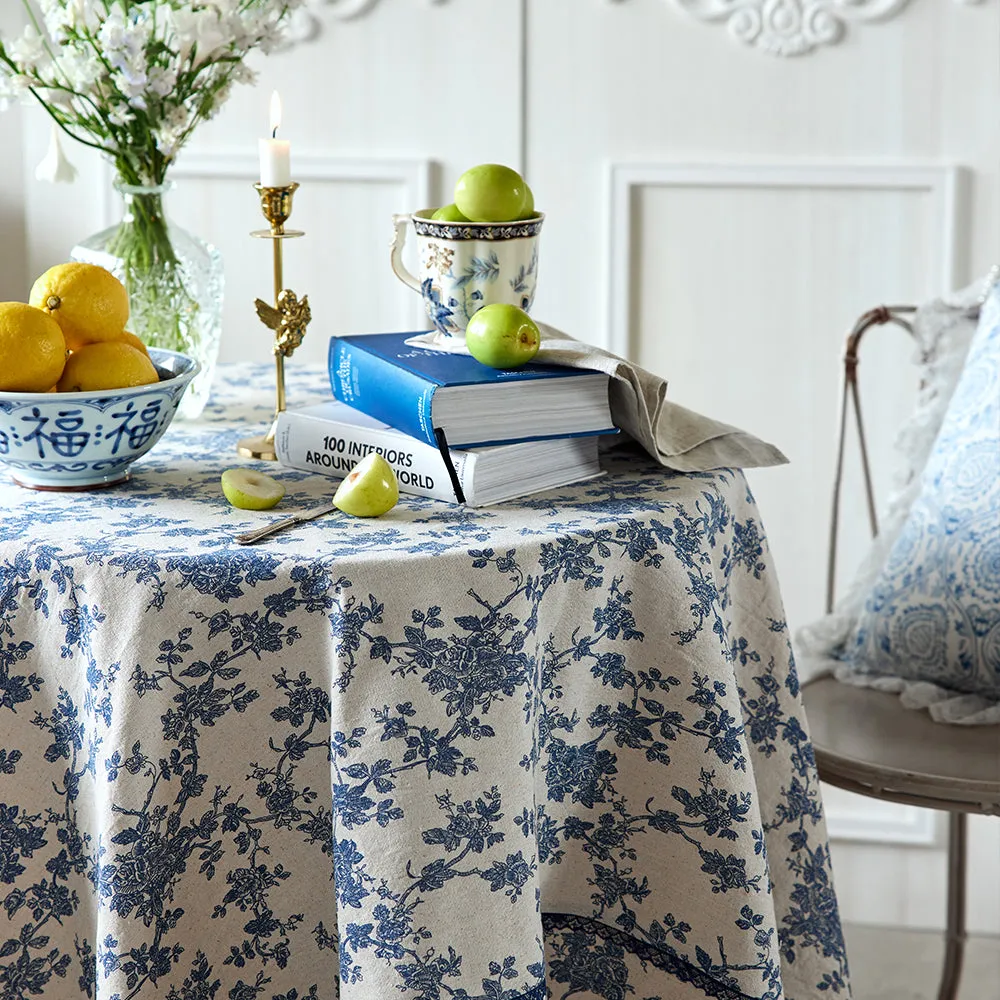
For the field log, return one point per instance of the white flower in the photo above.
(112, 34)
(134, 74)
(81, 70)
(15, 85)
(166, 142)
(131, 82)
(178, 119)
(225, 8)
(28, 50)
(244, 74)
(120, 116)
(79, 15)
(162, 80)
(58, 99)
(55, 168)
(171, 132)
(220, 98)
(200, 32)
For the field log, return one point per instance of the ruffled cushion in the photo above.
(942, 329)
(933, 614)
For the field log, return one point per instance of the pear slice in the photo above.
(370, 488)
(251, 490)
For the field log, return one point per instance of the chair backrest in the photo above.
(850, 399)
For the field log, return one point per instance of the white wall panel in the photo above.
(724, 280)
(641, 82)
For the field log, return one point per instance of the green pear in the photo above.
(370, 488)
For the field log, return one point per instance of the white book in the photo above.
(331, 438)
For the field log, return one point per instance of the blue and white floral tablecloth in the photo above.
(554, 747)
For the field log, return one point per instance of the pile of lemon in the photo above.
(70, 336)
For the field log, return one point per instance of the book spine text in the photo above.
(384, 391)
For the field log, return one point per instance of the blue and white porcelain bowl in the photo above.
(85, 440)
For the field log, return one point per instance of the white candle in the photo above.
(275, 153)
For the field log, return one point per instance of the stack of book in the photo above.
(450, 427)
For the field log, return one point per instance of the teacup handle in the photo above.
(396, 257)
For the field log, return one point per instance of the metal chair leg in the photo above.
(955, 934)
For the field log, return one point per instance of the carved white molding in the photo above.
(944, 186)
(791, 27)
(778, 27)
(305, 24)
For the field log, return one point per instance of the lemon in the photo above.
(32, 349)
(131, 338)
(110, 364)
(89, 303)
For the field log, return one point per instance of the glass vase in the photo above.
(174, 281)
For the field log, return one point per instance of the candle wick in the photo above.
(274, 132)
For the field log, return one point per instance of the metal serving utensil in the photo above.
(249, 537)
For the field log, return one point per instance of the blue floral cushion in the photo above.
(934, 613)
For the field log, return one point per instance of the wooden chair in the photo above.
(867, 742)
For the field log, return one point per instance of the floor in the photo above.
(890, 964)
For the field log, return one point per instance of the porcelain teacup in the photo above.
(464, 266)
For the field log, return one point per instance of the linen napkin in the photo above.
(675, 436)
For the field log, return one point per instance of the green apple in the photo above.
(449, 213)
(370, 488)
(251, 490)
(529, 203)
(502, 336)
(491, 192)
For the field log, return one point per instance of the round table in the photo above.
(554, 747)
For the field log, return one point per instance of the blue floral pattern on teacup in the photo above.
(466, 266)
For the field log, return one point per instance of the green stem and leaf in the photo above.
(163, 310)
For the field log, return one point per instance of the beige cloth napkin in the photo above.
(675, 436)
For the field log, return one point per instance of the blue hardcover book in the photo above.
(422, 392)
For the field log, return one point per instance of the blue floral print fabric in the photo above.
(553, 748)
(933, 614)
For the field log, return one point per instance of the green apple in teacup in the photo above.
(491, 192)
(502, 336)
(370, 488)
(449, 213)
(248, 489)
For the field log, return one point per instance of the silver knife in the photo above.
(249, 537)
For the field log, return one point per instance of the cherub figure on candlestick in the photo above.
(289, 320)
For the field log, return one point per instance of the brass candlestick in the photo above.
(288, 317)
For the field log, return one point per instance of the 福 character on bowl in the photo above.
(87, 440)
